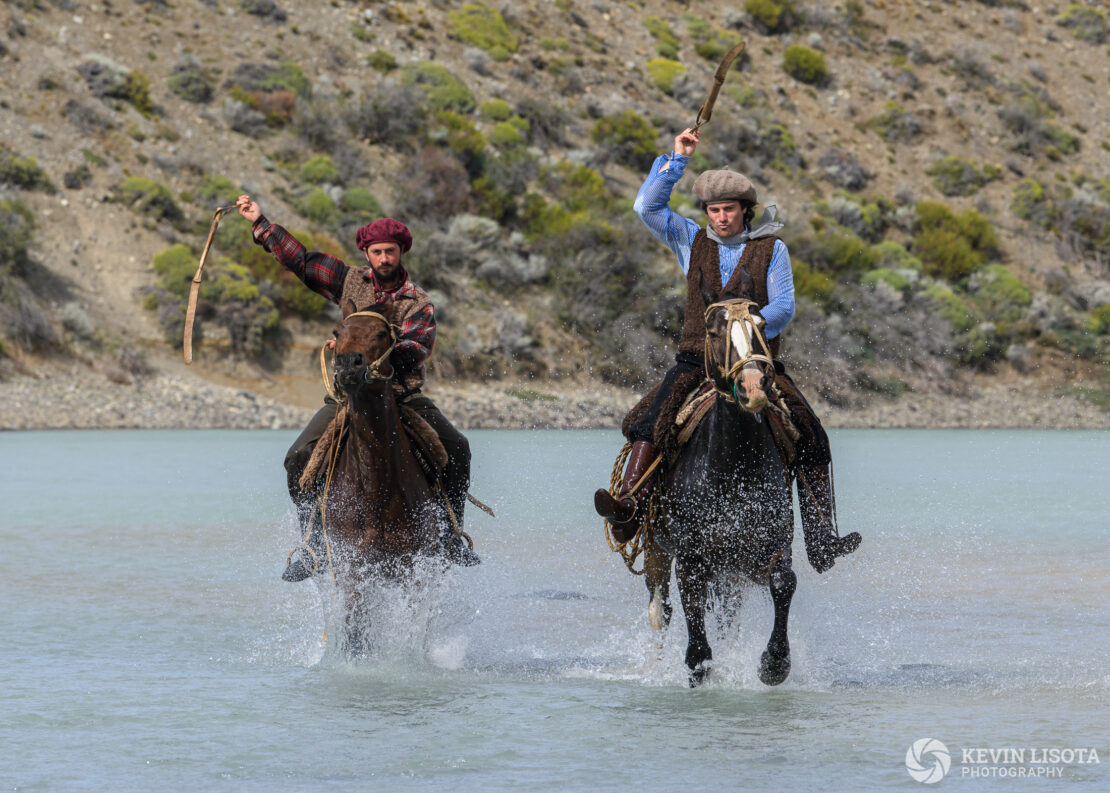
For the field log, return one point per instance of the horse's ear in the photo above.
(388, 309)
(745, 287)
(349, 308)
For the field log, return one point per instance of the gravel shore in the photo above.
(168, 402)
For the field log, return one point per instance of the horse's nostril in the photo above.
(349, 360)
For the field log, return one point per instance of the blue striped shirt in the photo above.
(677, 233)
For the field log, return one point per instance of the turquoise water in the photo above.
(150, 644)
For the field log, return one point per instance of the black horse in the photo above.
(725, 507)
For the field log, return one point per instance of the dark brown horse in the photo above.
(379, 511)
(725, 506)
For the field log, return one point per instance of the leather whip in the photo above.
(194, 289)
(705, 112)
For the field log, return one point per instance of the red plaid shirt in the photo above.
(324, 274)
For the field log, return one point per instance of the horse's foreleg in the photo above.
(355, 624)
(693, 587)
(774, 666)
(657, 576)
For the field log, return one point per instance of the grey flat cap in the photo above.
(723, 185)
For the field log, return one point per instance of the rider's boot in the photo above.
(458, 550)
(823, 544)
(301, 564)
(623, 511)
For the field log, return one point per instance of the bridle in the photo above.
(737, 312)
(373, 369)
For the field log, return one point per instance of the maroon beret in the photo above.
(384, 230)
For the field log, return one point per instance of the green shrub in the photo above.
(1100, 319)
(190, 82)
(955, 176)
(92, 158)
(484, 27)
(360, 32)
(628, 136)
(952, 308)
(176, 266)
(442, 89)
(578, 187)
(17, 228)
(217, 191)
(1001, 293)
(952, 246)
(136, 90)
(1031, 203)
(505, 136)
(1079, 217)
(553, 43)
(318, 170)
(809, 282)
(495, 110)
(1086, 22)
(774, 16)
(896, 124)
(465, 140)
(805, 64)
(666, 43)
(892, 278)
(288, 76)
(893, 255)
(317, 206)
(1029, 120)
(361, 203)
(23, 172)
(837, 252)
(712, 43)
(664, 72)
(149, 198)
(778, 145)
(382, 61)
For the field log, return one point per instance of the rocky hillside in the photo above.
(942, 168)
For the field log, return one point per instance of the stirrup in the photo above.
(297, 570)
(616, 510)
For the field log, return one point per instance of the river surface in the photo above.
(150, 645)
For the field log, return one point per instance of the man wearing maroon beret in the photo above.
(382, 242)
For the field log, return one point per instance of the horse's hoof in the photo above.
(699, 674)
(773, 669)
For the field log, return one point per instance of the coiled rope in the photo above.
(630, 551)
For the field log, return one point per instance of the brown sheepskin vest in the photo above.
(705, 275)
(409, 299)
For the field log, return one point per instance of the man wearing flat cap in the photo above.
(382, 242)
(728, 256)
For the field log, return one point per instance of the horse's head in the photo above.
(737, 359)
(363, 342)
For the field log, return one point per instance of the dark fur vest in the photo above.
(703, 286)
